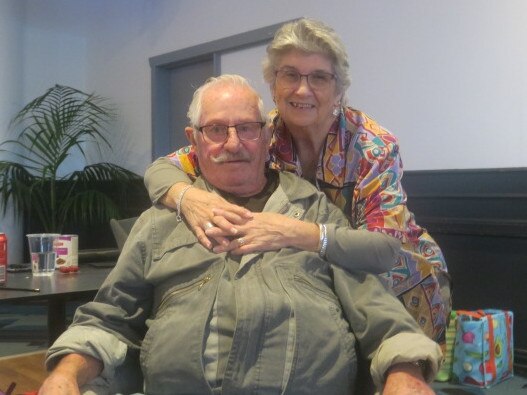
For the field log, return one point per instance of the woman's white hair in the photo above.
(194, 110)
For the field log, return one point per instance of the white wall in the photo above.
(11, 40)
(447, 77)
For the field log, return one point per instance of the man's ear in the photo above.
(190, 135)
(267, 133)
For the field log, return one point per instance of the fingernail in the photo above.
(234, 231)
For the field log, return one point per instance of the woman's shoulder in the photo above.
(186, 159)
(359, 121)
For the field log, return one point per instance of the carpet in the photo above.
(23, 327)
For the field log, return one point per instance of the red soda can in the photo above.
(3, 258)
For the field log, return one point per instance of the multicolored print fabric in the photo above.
(360, 170)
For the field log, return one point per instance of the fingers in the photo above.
(233, 245)
(234, 216)
(202, 237)
(221, 227)
(234, 210)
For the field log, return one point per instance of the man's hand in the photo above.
(406, 379)
(72, 371)
(197, 208)
(59, 384)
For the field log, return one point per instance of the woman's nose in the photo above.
(303, 85)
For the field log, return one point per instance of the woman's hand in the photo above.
(266, 232)
(197, 208)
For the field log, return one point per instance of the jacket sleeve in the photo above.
(352, 249)
(385, 331)
(361, 250)
(180, 166)
(115, 320)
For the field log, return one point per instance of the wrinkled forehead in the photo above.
(229, 103)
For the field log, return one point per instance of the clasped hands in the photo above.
(221, 226)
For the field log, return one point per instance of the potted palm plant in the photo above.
(53, 127)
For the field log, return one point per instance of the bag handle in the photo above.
(492, 359)
(508, 325)
(478, 314)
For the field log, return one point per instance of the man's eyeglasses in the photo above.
(290, 78)
(247, 131)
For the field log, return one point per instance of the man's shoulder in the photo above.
(157, 215)
(296, 187)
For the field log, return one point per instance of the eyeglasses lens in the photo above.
(246, 131)
(316, 80)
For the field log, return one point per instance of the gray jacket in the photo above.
(299, 319)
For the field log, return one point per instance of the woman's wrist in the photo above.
(323, 240)
(179, 199)
(169, 199)
(304, 236)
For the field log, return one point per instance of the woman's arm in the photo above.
(268, 231)
(373, 252)
(161, 175)
(168, 177)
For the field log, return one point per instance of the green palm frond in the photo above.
(51, 126)
(89, 206)
(15, 184)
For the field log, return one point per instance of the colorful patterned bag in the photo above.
(483, 350)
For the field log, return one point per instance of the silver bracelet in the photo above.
(178, 202)
(323, 242)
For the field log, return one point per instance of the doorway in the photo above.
(176, 75)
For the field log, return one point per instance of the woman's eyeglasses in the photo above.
(290, 78)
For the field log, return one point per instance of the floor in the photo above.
(513, 386)
(23, 373)
(22, 329)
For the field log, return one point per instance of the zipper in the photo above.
(199, 284)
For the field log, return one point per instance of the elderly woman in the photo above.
(346, 154)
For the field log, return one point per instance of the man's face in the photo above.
(235, 166)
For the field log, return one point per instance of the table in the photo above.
(56, 290)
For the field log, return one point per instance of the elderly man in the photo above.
(283, 321)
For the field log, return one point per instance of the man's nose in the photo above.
(233, 141)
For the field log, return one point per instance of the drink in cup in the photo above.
(42, 252)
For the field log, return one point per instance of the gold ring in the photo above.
(241, 241)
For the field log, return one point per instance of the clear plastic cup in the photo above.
(42, 252)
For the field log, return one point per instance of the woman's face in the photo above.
(306, 104)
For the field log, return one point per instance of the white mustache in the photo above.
(228, 157)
